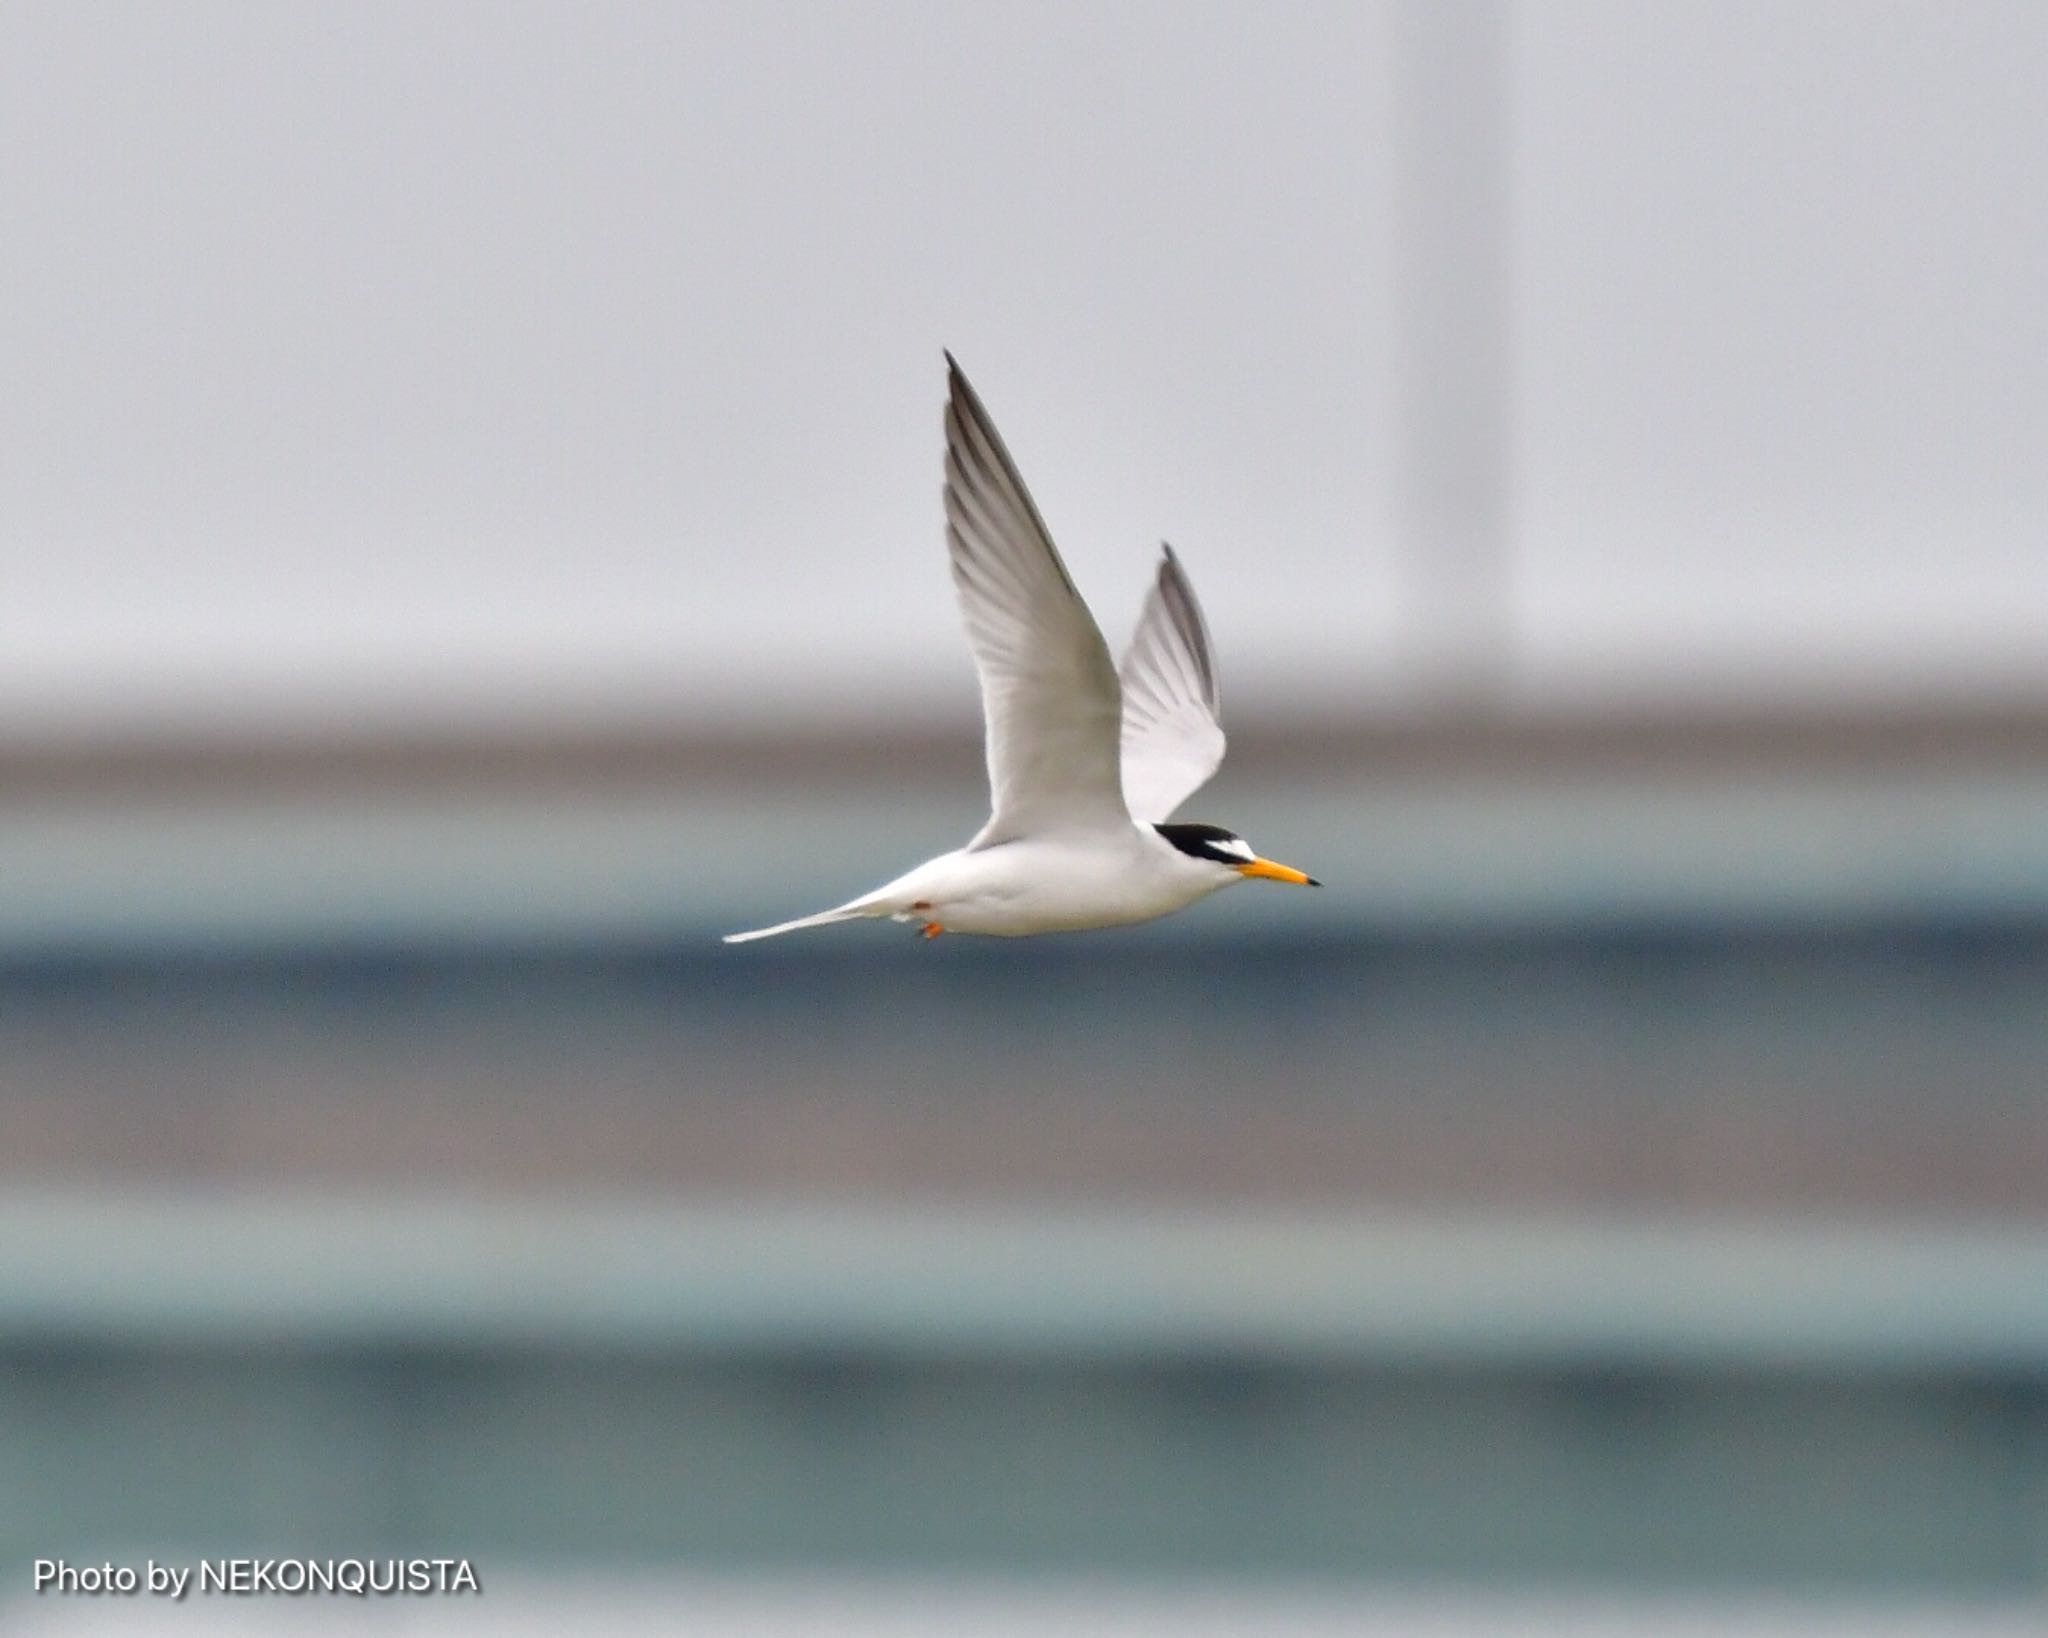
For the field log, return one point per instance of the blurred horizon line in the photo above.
(638, 747)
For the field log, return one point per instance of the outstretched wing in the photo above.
(1172, 722)
(1049, 693)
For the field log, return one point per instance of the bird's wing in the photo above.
(1173, 726)
(1048, 690)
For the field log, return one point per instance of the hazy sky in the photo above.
(422, 359)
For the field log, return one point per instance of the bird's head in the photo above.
(1227, 851)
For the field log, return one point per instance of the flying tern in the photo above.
(1086, 763)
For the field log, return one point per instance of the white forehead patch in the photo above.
(1237, 847)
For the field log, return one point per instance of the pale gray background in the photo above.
(414, 361)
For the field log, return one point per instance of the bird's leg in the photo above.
(932, 930)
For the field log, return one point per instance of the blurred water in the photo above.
(1630, 1181)
(815, 1606)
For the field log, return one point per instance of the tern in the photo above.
(1087, 762)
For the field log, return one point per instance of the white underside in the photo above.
(1051, 884)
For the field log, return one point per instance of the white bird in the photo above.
(1085, 765)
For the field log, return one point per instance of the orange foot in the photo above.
(932, 929)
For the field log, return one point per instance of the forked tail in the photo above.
(846, 912)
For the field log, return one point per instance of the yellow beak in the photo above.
(1278, 873)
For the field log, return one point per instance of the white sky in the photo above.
(427, 359)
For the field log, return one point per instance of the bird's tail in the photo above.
(846, 912)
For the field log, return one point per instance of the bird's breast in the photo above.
(1063, 886)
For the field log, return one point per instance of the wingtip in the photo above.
(959, 390)
(1171, 571)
